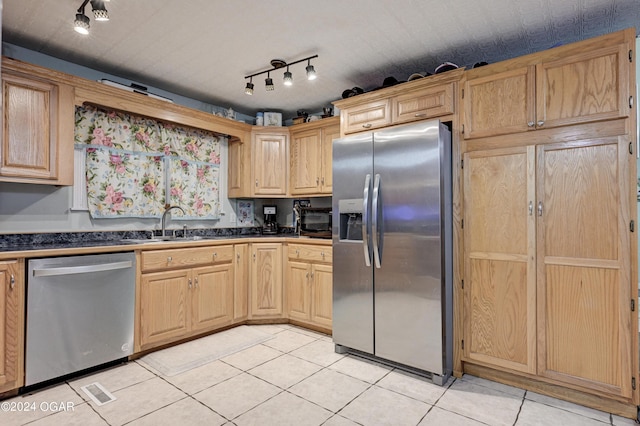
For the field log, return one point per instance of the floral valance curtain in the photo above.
(136, 165)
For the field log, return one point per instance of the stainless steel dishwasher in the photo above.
(80, 313)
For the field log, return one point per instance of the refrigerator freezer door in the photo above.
(352, 271)
(408, 284)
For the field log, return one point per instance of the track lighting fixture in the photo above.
(100, 13)
(288, 76)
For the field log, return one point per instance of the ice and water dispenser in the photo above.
(350, 219)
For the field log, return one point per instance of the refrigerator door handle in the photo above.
(375, 234)
(365, 220)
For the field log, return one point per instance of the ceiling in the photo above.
(202, 49)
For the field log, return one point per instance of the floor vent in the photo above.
(98, 393)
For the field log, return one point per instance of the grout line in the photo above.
(520, 409)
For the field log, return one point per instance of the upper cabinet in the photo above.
(260, 168)
(573, 84)
(428, 97)
(38, 129)
(311, 152)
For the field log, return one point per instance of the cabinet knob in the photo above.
(540, 208)
(238, 257)
(366, 126)
(317, 181)
(12, 282)
(190, 285)
(196, 281)
(322, 254)
(298, 253)
(256, 182)
(169, 259)
(307, 275)
(322, 180)
(312, 275)
(540, 123)
(254, 257)
(530, 208)
(215, 255)
(530, 124)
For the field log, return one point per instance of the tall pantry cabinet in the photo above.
(549, 233)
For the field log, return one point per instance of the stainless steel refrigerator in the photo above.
(392, 246)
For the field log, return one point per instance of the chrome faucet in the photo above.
(164, 216)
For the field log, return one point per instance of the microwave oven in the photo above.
(315, 222)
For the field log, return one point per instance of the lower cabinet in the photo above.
(266, 281)
(12, 324)
(184, 300)
(310, 284)
(241, 282)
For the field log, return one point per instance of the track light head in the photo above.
(81, 23)
(268, 83)
(99, 10)
(288, 78)
(249, 89)
(311, 72)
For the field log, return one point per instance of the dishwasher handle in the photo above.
(82, 269)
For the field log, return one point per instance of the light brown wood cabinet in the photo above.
(429, 97)
(311, 156)
(241, 282)
(12, 325)
(546, 286)
(38, 126)
(570, 85)
(183, 292)
(266, 281)
(310, 284)
(270, 159)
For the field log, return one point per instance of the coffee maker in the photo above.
(269, 226)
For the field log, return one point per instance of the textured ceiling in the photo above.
(203, 48)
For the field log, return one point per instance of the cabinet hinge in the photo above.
(462, 282)
(462, 224)
(630, 55)
(632, 226)
(462, 343)
(631, 148)
(462, 129)
(462, 164)
(631, 102)
(633, 305)
(633, 383)
(463, 89)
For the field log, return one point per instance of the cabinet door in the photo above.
(212, 297)
(584, 293)
(366, 117)
(305, 162)
(422, 104)
(37, 131)
(586, 87)
(299, 294)
(322, 295)
(270, 164)
(500, 103)
(11, 325)
(241, 280)
(239, 168)
(164, 306)
(499, 275)
(266, 280)
(326, 177)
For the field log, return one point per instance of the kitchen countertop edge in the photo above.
(99, 248)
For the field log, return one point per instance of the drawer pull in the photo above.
(12, 282)
(540, 123)
(530, 124)
(367, 126)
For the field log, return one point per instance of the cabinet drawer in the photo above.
(366, 117)
(426, 103)
(171, 259)
(311, 253)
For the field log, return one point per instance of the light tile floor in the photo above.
(295, 378)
